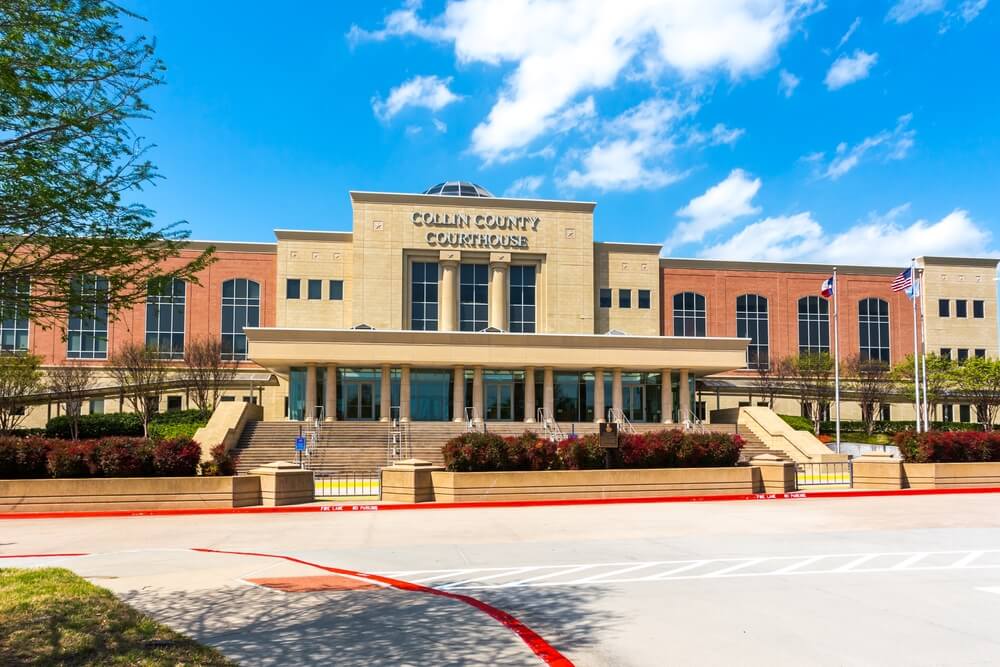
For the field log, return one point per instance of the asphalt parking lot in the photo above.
(855, 581)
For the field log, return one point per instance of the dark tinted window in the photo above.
(944, 308)
(978, 309)
(336, 290)
(644, 298)
(293, 287)
(624, 298)
(961, 309)
(689, 314)
(315, 289)
(605, 297)
(751, 322)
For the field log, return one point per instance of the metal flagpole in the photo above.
(916, 358)
(836, 355)
(923, 348)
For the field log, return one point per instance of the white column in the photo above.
(448, 320)
(685, 395)
(477, 391)
(666, 397)
(331, 393)
(529, 395)
(548, 392)
(616, 389)
(599, 410)
(310, 411)
(458, 395)
(385, 404)
(498, 295)
(404, 394)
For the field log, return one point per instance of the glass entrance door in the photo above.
(634, 402)
(499, 401)
(359, 400)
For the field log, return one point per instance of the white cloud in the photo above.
(905, 11)
(850, 31)
(561, 49)
(848, 69)
(429, 92)
(632, 155)
(439, 125)
(526, 186)
(880, 240)
(787, 82)
(721, 204)
(894, 144)
(718, 136)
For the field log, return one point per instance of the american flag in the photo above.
(903, 282)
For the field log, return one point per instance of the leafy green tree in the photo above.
(20, 376)
(977, 380)
(870, 382)
(812, 374)
(940, 379)
(70, 163)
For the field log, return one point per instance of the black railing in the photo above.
(824, 474)
(347, 483)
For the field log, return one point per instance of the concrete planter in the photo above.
(568, 484)
(872, 472)
(127, 493)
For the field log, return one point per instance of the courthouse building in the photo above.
(453, 305)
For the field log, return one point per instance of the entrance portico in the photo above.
(444, 376)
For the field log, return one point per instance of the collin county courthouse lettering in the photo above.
(453, 305)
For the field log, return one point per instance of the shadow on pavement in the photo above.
(382, 627)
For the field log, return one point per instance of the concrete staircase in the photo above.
(753, 445)
(363, 445)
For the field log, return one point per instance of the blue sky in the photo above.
(851, 132)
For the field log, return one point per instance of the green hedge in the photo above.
(880, 427)
(176, 424)
(798, 423)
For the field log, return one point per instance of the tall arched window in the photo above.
(751, 322)
(873, 321)
(165, 317)
(240, 308)
(814, 325)
(15, 292)
(689, 314)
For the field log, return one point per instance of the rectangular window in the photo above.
(964, 413)
(87, 333)
(336, 290)
(960, 308)
(624, 298)
(14, 291)
(605, 301)
(293, 288)
(885, 412)
(315, 288)
(474, 297)
(947, 413)
(165, 301)
(963, 354)
(944, 309)
(97, 406)
(522, 299)
(980, 353)
(174, 403)
(946, 353)
(424, 296)
(978, 309)
(644, 299)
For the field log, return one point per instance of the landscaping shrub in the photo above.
(97, 426)
(176, 457)
(223, 463)
(171, 431)
(581, 453)
(72, 459)
(124, 457)
(23, 458)
(948, 446)
(798, 423)
(482, 452)
(894, 427)
(181, 417)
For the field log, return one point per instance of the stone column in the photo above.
(548, 392)
(385, 404)
(666, 397)
(310, 411)
(599, 395)
(616, 389)
(477, 391)
(331, 393)
(448, 313)
(499, 261)
(404, 394)
(529, 395)
(458, 395)
(685, 396)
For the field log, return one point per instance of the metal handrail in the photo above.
(691, 421)
(617, 416)
(471, 419)
(552, 430)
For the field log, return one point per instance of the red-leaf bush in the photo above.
(72, 459)
(948, 447)
(24, 458)
(124, 457)
(482, 452)
(176, 457)
(223, 463)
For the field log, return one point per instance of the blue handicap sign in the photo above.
(300, 444)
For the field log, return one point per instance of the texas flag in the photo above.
(827, 288)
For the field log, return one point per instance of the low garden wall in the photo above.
(935, 460)
(128, 493)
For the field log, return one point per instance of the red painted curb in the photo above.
(486, 504)
(548, 653)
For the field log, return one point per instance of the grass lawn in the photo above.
(51, 616)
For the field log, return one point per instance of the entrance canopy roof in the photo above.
(281, 348)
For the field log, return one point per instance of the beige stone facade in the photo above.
(961, 327)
